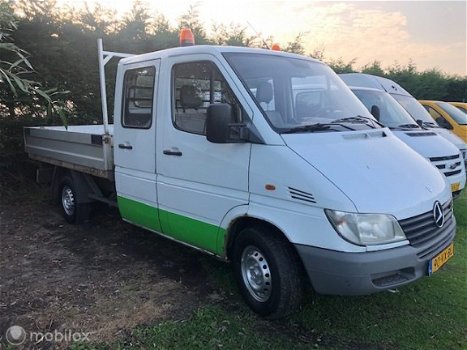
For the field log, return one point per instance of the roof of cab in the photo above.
(373, 81)
(208, 49)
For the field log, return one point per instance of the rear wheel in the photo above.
(73, 211)
(268, 272)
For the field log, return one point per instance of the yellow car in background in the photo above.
(461, 105)
(448, 117)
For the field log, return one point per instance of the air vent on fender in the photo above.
(301, 195)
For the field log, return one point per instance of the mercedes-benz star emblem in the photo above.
(438, 214)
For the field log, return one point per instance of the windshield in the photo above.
(391, 113)
(462, 109)
(415, 109)
(456, 114)
(295, 93)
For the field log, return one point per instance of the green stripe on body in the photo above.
(139, 213)
(194, 232)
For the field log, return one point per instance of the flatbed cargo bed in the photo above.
(85, 148)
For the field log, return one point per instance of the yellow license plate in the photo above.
(455, 186)
(441, 259)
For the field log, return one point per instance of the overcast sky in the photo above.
(431, 33)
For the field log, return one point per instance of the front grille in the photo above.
(447, 166)
(437, 159)
(455, 172)
(421, 230)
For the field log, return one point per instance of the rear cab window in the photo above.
(138, 98)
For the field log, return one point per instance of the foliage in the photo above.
(296, 45)
(339, 66)
(17, 89)
(234, 35)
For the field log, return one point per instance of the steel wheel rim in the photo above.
(256, 273)
(68, 200)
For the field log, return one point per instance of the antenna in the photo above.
(257, 34)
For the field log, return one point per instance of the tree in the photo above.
(296, 45)
(192, 20)
(318, 54)
(98, 19)
(164, 36)
(373, 68)
(234, 35)
(135, 23)
(339, 66)
(17, 88)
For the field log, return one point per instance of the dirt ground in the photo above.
(104, 277)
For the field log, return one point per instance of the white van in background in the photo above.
(442, 153)
(410, 104)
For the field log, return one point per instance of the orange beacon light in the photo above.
(275, 47)
(186, 37)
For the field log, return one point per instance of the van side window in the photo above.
(195, 86)
(138, 95)
(433, 113)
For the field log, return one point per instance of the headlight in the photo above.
(366, 229)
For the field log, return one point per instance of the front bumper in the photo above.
(343, 273)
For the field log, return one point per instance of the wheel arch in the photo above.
(240, 223)
(242, 217)
(82, 183)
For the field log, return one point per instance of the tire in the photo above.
(73, 211)
(268, 272)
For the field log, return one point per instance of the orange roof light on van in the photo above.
(186, 37)
(275, 47)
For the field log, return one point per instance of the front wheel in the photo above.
(268, 272)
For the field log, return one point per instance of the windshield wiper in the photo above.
(409, 126)
(358, 119)
(316, 127)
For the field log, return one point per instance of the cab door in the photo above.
(135, 144)
(198, 181)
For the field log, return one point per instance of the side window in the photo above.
(138, 95)
(433, 113)
(195, 86)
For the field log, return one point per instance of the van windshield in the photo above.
(299, 95)
(459, 116)
(416, 110)
(391, 113)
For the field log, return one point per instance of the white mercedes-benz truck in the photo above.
(221, 149)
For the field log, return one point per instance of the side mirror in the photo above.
(375, 111)
(219, 119)
(419, 122)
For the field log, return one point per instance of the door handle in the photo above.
(125, 146)
(170, 152)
